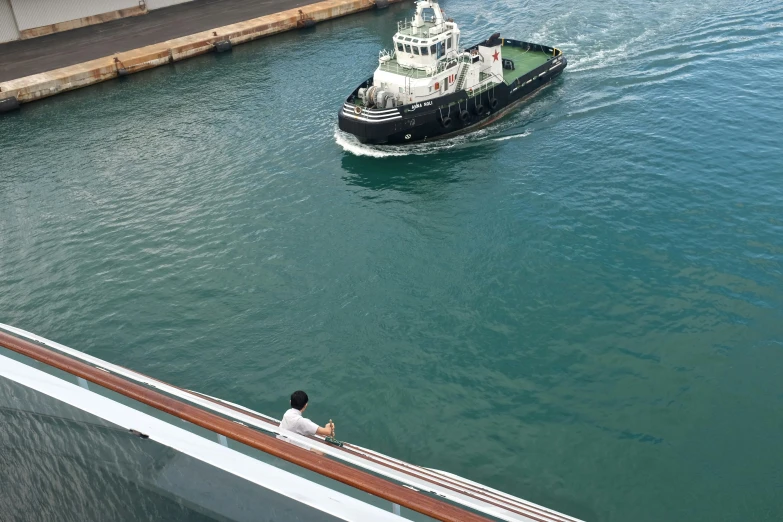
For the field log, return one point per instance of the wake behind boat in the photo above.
(427, 87)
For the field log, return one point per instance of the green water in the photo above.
(581, 305)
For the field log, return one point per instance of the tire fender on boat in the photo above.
(464, 116)
(493, 103)
(223, 46)
(446, 122)
(479, 109)
(9, 104)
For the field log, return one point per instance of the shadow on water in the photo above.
(396, 173)
(414, 173)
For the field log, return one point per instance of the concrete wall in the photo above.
(157, 4)
(49, 83)
(8, 29)
(37, 13)
(42, 17)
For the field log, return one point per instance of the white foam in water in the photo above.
(513, 136)
(351, 144)
(608, 57)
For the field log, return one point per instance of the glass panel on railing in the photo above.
(179, 484)
(60, 463)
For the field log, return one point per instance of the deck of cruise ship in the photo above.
(224, 460)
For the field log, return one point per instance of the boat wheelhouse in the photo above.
(427, 86)
(130, 444)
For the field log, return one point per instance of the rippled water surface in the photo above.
(581, 305)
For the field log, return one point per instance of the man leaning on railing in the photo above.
(293, 420)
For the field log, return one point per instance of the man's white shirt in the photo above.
(293, 421)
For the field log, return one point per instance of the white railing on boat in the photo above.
(430, 23)
(392, 66)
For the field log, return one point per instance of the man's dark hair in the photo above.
(298, 400)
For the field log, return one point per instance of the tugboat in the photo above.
(428, 87)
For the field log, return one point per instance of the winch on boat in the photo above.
(375, 97)
(429, 87)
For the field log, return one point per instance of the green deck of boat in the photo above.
(524, 61)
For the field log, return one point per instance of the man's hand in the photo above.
(327, 430)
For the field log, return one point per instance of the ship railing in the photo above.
(385, 55)
(241, 447)
(393, 66)
(487, 80)
(424, 30)
(552, 63)
(444, 64)
(484, 85)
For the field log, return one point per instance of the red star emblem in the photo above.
(496, 55)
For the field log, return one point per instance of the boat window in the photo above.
(448, 43)
(425, 51)
(408, 39)
(407, 48)
(399, 46)
(415, 50)
(432, 49)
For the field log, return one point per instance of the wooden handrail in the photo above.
(530, 511)
(306, 459)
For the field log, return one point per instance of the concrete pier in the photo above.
(35, 69)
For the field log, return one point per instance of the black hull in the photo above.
(442, 119)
